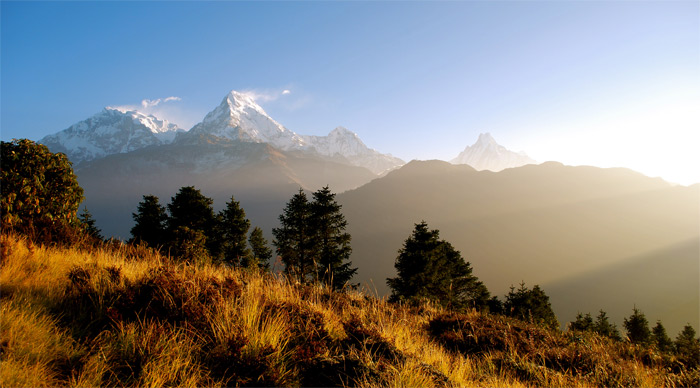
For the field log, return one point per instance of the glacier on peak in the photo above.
(487, 154)
(111, 131)
(239, 117)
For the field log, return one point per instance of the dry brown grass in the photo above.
(124, 316)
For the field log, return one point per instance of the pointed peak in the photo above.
(342, 131)
(486, 138)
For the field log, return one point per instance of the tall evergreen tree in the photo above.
(661, 339)
(530, 305)
(233, 232)
(582, 323)
(603, 326)
(332, 243)
(88, 224)
(190, 209)
(687, 347)
(294, 238)
(189, 245)
(430, 268)
(261, 253)
(151, 219)
(637, 328)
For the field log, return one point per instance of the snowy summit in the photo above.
(239, 117)
(112, 131)
(486, 154)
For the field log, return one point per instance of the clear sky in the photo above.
(582, 82)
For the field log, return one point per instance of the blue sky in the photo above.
(599, 83)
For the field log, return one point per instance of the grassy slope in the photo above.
(122, 317)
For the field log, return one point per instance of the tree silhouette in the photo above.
(604, 327)
(261, 253)
(637, 328)
(294, 238)
(687, 347)
(332, 243)
(190, 209)
(88, 224)
(151, 220)
(430, 268)
(233, 232)
(661, 339)
(530, 305)
(582, 323)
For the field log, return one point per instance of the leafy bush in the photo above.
(40, 193)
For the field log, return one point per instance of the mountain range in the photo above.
(566, 228)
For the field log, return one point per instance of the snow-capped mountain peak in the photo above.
(239, 117)
(487, 154)
(162, 128)
(486, 140)
(347, 144)
(111, 131)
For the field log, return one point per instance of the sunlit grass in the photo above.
(124, 316)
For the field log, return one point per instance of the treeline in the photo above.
(311, 241)
(191, 231)
(41, 198)
(686, 346)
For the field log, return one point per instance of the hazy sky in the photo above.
(600, 83)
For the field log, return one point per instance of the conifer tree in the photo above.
(190, 209)
(88, 224)
(637, 328)
(582, 323)
(294, 238)
(261, 253)
(687, 347)
(332, 243)
(530, 305)
(603, 327)
(151, 219)
(233, 232)
(189, 245)
(661, 339)
(430, 268)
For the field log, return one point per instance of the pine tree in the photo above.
(430, 268)
(530, 305)
(261, 253)
(88, 224)
(637, 328)
(687, 347)
(151, 220)
(582, 323)
(332, 243)
(233, 231)
(190, 209)
(603, 327)
(189, 245)
(661, 339)
(294, 238)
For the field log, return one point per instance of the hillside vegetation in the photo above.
(119, 315)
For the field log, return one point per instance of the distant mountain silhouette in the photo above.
(536, 223)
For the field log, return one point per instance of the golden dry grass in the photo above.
(124, 316)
